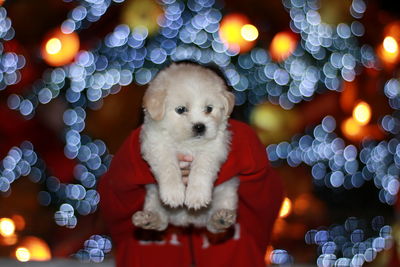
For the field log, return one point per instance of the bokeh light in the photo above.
(142, 13)
(362, 113)
(286, 208)
(351, 128)
(230, 32)
(267, 257)
(95, 249)
(22, 254)
(19, 222)
(388, 51)
(272, 123)
(7, 227)
(249, 32)
(36, 248)
(282, 46)
(390, 45)
(53, 46)
(59, 48)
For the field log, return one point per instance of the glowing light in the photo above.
(282, 46)
(274, 124)
(9, 240)
(22, 254)
(142, 13)
(38, 249)
(19, 222)
(286, 208)
(249, 32)
(302, 204)
(7, 227)
(267, 257)
(230, 32)
(59, 48)
(351, 128)
(362, 113)
(53, 46)
(390, 44)
(388, 51)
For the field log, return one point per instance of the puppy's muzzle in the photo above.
(199, 129)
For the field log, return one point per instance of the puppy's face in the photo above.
(189, 101)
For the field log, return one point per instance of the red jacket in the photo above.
(260, 195)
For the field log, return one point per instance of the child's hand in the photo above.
(184, 164)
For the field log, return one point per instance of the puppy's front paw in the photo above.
(172, 195)
(148, 220)
(197, 197)
(221, 220)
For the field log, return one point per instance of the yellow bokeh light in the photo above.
(266, 118)
(282, 46)
(249, 32)
(350, 127)
(22, 254)
(230, 32)
(38, 248)
(53, 46)
(7, 227)
(362, 113)
(390, 45)
(286, 208)
(60, 48)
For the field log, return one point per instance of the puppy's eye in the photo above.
(209, 109)
(181, 110)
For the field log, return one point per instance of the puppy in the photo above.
(186, 111)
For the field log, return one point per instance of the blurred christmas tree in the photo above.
(322, 99)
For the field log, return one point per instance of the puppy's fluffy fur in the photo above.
(186, 111)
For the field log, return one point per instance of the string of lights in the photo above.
(95, 248)
(86, 13)
(351, 244)
(10, 63)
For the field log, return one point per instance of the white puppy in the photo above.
(186, 111)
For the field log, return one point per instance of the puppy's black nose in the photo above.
(199, 128)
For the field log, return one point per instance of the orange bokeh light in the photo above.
(59, 48)
(302, 204)
(267, 257)
(387, 57)
(9, 240)
(234, 30)
(282, 46)
(7, 227)
(286, 208)
(37, 249)
(19, 222)
(351, 128)
(362, 113)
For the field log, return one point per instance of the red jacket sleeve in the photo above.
(121, 188)
(260, 191)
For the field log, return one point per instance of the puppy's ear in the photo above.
(229, 102)
(154, 103)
